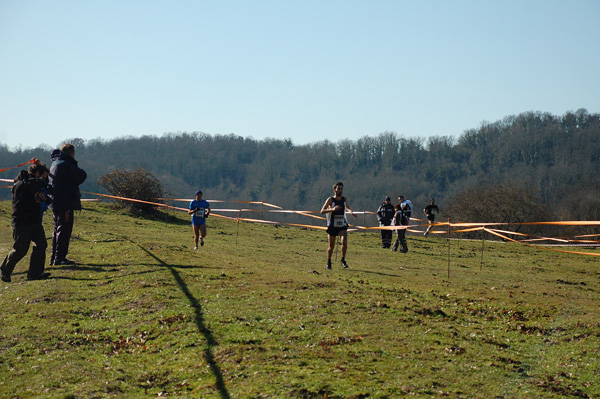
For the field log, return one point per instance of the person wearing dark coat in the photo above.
(401, 218)
(385, 214)
(66, 177)
(27, 194)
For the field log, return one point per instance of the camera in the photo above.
(49, 189)
(41, 188)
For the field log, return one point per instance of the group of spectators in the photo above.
(399, 215)
(33, 191)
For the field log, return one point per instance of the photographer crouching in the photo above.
(28, 192)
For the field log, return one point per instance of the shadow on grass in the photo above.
(372, 272)
(107, 267)
(88, 267)
(210, 340)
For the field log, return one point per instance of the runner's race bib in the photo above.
(199, 213)
(339, 221)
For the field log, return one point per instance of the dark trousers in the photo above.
(400, 240)
(61, 235)
(386, 237)
(24, 235)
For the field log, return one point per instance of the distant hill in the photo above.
(555, 155)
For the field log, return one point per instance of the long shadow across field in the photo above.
(210, 340)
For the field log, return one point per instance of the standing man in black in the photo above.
(401, 219)
(385, 214)
(65, 177)
(27, 194)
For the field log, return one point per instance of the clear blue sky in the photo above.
(300, 69)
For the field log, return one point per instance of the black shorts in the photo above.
(335, 231)
(431, 217)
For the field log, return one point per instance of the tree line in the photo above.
(553, 158)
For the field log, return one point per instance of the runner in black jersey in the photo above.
(337, 225)
(430, 211)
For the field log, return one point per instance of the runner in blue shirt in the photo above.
(199, 209)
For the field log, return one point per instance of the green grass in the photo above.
(254, 314)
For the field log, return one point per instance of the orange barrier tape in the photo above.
(559, 239)
(279, 209)
(533, 246)
(234, 210)
(32, 160)
(303, 213)
(136, 200)
(307, 226)
(237, 202)
(565, 223)
(589, 235)
(537, 238)
(383, 228)
(472, 226)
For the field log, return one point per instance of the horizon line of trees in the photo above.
(555, 157)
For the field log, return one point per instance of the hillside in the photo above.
(254, 314)
(551, 155)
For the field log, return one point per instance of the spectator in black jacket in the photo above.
(27, 194)
(385, 214)
(401, 218)
(65, 177)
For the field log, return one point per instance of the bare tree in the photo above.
(505, 202)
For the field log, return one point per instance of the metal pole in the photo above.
(237, 233)
(482, 247)
(448, 248)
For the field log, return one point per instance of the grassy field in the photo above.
(254, 314)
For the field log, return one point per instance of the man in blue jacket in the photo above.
(65, 177)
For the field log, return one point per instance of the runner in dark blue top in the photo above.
(199, 209)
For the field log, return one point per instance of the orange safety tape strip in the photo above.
(259, 210)
(383, 228)
(136, 200)
(279, 209)
(537, 247)
(185, 210)
(303, 213)
(538, 238)
(480, 226)
(589, 235)
(237, 202)
(32, 160)
(234, 210)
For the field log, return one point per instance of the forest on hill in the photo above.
(552, 160)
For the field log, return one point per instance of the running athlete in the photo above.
(199, 209)
(430, 211)
(337, 225)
